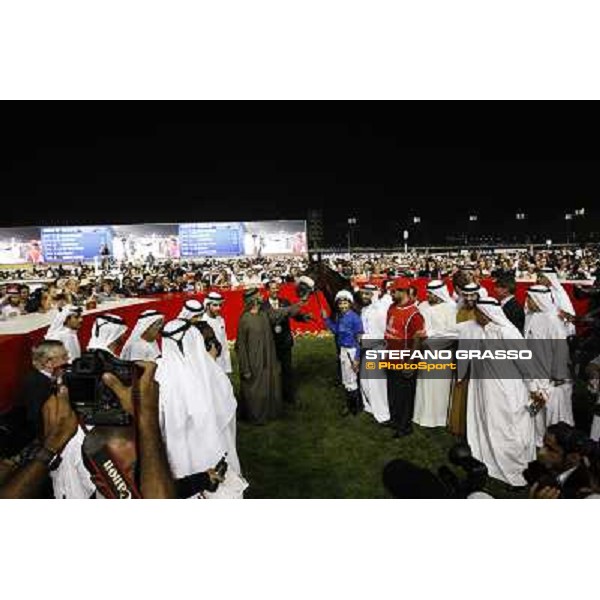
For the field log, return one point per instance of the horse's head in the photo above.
(327, 281)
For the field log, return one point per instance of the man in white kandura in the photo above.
(551, 352)
(213, 305)
(374, 319)
(564, 306)
(196, 434)
(225, 404)
(142, 343)
(500, 426)
(107, 334)
(65, 327)
(432, 397)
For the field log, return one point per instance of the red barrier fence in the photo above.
(15, 350)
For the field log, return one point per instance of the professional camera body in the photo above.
(406, 480)
(476, 472)
(536, 472)
(91, 399)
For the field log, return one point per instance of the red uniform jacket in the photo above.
(403, 322)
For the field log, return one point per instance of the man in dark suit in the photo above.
(282, 334)
(562, 454)
(48, 358)
(505, 289)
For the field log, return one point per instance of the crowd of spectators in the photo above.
(41, 288)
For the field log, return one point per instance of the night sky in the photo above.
(382, 163)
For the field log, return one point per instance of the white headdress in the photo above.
(491, 308)
(542, 296)
(60, 319)
(561, 298)
(370, 288)
(107, 329)
(191, 309)
(439, 289)
(214, 298)
(144, 322)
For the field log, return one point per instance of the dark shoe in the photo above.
(402, 432)
(387, 423)
(354, 402)
(344, 412)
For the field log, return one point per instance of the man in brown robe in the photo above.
(457, 414)
(260, 371)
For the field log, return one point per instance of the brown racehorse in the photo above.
(328, 282)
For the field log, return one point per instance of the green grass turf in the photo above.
(313, 452)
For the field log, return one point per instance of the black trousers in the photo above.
(287, 377)
(401, 399)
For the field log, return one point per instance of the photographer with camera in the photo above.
(125, 457)
(24, 475)
(155, 478)
(114, 441)
(593, 373)
(406, 480)
(561, 468)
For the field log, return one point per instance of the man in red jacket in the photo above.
(405, 327)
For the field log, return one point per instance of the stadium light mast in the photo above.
(416, 222)
(472, 219)
(352, 222)
(520, 216)
(577, 228)
(568, 219)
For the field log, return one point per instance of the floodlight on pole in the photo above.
(352, 221)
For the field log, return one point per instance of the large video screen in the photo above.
(138, 242)
(248, 238)
(274, 237)
(210, 239)
(72, 244)
(20, 245)
(162, 241)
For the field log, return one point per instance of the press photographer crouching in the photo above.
(405, 480)
(567, 465)
(25, 474)
(122, 456)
